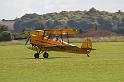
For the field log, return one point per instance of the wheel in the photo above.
(88, 55)
(45, 55)
(36, 55)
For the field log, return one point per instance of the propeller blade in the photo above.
(27, 40)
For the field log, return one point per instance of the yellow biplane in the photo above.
(53, 40)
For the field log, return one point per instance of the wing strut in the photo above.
(43, 34)
(61, 37)
(67, 37)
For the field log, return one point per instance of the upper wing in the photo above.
(64, 31)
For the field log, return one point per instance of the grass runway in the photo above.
(105, 64)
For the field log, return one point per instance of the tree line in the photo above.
(82, 20)
(5, 35)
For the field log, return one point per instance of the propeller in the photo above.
(28, 37)
(27, 40)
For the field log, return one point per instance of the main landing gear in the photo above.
(36, 55)
(45, 55)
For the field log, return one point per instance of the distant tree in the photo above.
(4, 34)
(119, 12)
(3, 28)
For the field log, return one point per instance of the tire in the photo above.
(36, 55)
(45, 55)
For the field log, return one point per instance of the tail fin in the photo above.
(87, 44)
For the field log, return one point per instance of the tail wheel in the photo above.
(88, 55)
(36, 55)
(45, 55)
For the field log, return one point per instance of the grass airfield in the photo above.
(105, 64)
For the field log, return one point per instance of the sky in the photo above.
(10, 9)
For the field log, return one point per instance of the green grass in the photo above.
(106, 64)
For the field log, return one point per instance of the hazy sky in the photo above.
(10, 9)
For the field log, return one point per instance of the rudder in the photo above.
(87, 44)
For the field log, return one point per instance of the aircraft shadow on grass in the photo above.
(50, 58)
